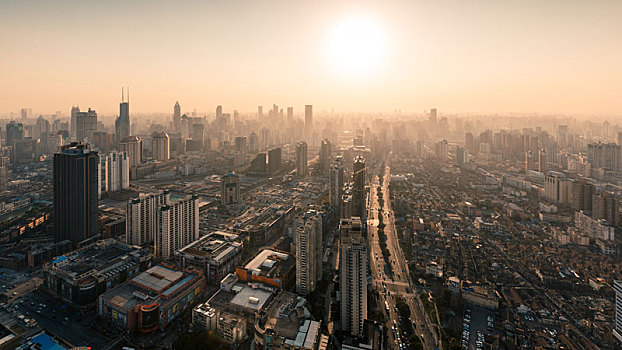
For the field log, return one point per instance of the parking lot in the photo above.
(475, 325)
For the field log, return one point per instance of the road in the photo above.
(400, 283)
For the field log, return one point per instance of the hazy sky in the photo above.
(472, 56)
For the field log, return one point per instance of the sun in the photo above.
(357, 45)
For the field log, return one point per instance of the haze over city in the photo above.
(311, 175)
(353, 56)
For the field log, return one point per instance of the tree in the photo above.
(415, 342)
(403, 309)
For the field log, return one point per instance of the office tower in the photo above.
(308, 120)
(325, 155)
(471, 143)
(4, 174)
(114, 172)
(462, 156)
(308, 252)
(42, 127)
(290, 113)
(141, 217)
(335, 182)
(86, 124)
(102, 141)
(122, 124)
(133, 146)
(529, 162)
(420, 149)
(358, 192)
(76, 216)
(177, 226)
(274, 160)
(259, 111)
(619, 138)
(198, 131)
(617, 330)
(74, 126)
(177, 117)
(353, 270)
(161, 146)
(253, 143)
(218, 111)
(258, 164)
(301, 159)
(23, 114)
(542, 161)
(441, 149)
(240, 144)
(230, 189)
(14, 132)
(433, 118)
(607, 156)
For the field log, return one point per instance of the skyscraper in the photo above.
(74, 124)
(336, 182)
(617, 329)
(218, 111)
(161, 146)
(86, 124)
(14, 132)
(274, 160)
(325, 155)
(308, 252)
(122, 124)
(177, 226)
(4, 173)
(301, 159)
(529, 161)
(259, 111)
(290, 113)
(76, 216)
(114, 172)
(141, 217)
(308, 120)
(462, 156)
(230, 189)
(177, 117)
(358, 195)
(24, 114)
(542, 161)
(133, 146)
(353, 270)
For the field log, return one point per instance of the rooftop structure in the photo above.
(152, 299)
(217, 254)
(270, 267)
(79, 277)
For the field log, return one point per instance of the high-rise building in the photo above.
(308, 120)
(253, 143)
(441, 150)
(177, 117)
(325, 155)
(198, 131)
(177, 226)
(133, 146)
(230, 189)
(308, 251)
(86, 124)
(114, 172)
(353, 273)
(161, 146)
(605, 155)
(529, 161)
(462, 156)
(14, 132)
(542, 161)
(274, 160)
(141, 217)
(556, 187)
(76, 216)
(290, 113)
(336, 182)
(301, 159)
(74, 121)
(259, 111)
(4, 174)
(240, 144)
(218, 111)
(606, 206)
(358, 193)
(122, 124)
(582, 192)
(617, 329)
(433, 117)
(24, 114)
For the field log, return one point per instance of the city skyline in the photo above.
(481, 57)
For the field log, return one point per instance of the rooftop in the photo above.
(270, 263)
